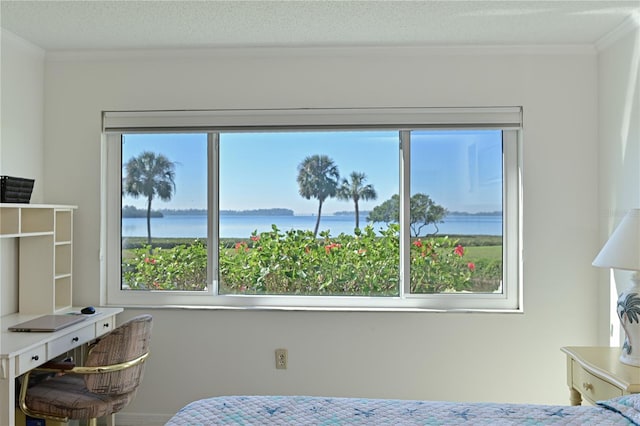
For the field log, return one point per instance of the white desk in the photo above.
(21, 352)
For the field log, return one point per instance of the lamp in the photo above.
(622, 251)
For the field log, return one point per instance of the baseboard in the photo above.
(137, 419)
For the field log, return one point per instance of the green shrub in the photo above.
(296, 263)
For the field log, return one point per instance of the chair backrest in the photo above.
(125, 343)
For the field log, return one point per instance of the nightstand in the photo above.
(595, 373)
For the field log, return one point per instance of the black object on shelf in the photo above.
(15, 189)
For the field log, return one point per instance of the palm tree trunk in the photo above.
(149, 221)
(357, 215)
(315, 231)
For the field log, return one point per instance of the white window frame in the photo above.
(507, 119)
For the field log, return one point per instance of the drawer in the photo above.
(31, 359)
(71, 340)
(104, 326)
(591, 387)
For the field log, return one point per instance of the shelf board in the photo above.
(26, 234)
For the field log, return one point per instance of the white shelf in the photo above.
(45, 233)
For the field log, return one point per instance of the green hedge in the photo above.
(295, 262)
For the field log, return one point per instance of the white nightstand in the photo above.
(595, 373)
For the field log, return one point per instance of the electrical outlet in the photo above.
(281, 359)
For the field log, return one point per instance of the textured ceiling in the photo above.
(95, 24)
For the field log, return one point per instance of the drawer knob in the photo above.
(35, 357)
(587, 386)
(75, 339)
(105, 325)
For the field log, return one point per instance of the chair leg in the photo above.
(111, 420)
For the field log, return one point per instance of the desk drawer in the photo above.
(71, 340)
(591, 387)
(104, 326)
(31, 359)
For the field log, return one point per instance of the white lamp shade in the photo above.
(622, 250)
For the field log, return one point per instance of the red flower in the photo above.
(331, 247)
(149, 260)
(417, 243)
(240, 245)
(459, 250)
(471, 266)
(255, 238)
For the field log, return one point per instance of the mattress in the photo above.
(305, 410)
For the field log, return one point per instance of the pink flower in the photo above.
(459, 250)
(471, 266)
(255, 238)
(417, 243)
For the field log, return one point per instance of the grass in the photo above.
(473, 253)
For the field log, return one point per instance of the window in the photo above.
(335, 209)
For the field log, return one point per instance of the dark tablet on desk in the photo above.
(48, 323)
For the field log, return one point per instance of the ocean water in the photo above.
(242, 226)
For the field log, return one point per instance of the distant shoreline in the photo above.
(133, 212)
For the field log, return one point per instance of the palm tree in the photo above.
(356, 190)
(150, 175)
(628, 311)
(318, 177)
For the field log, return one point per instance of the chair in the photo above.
(104, 385)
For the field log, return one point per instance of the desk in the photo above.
(595, 373)
(21, 352)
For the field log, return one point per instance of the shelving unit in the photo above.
(45, 234)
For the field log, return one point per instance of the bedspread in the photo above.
(303, 410)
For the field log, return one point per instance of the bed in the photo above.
(305, 410)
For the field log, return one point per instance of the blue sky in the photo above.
(459, 170)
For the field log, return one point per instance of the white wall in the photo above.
(21, 138)
(198, 353)
(472, 357)
(619, 150)
(22, 111)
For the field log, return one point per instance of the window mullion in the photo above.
(213, 215)
(405, 220)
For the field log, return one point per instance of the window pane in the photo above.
(456, 211)
(164, 212)
(288, 222)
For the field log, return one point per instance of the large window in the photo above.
(355, 209)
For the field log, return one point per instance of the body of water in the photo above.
(242, 226)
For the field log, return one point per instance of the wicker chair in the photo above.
(104, 385)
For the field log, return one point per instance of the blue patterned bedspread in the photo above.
(302, 410)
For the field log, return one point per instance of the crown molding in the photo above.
(631, 23)
(320, 51)
(22, 43)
